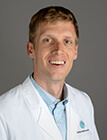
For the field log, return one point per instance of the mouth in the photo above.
(57, 63)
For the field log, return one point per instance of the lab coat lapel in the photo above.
(47, 123)
(72, 119)
(40, 111)
(72, 123)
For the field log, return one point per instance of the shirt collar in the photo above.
(48, 98)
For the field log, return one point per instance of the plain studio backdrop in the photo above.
(89, 72)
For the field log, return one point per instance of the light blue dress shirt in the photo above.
(56, 107)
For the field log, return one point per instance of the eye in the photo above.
(67, 42)
(47, 40)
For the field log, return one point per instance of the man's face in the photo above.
(55, 50)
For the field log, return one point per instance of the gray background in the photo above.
(89, 71)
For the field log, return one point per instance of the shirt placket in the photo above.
(60, 118)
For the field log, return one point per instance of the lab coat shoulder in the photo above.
(16, 96)
(14, 101)
(79, 97)
(8, 99)
(7, 104)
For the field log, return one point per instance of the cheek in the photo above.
(44, 51)
(41, 57)
(71, 55)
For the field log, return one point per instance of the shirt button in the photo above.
(55, 102)
(59, 122)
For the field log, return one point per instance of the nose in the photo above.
(58, 48)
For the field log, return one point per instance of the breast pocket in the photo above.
(84, 135)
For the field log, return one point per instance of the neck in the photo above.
(54, 88)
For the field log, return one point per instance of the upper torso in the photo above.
(24, 116)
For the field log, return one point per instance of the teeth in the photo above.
(57, 62)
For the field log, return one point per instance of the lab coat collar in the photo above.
(39, 110)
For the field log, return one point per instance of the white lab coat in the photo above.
(25, 116)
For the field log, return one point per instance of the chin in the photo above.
(57, 78)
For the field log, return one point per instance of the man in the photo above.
(44, 107)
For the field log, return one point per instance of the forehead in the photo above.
(58, 28)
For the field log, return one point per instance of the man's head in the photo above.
(51, 14)
(53, 44)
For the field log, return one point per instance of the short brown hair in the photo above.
(50, 15)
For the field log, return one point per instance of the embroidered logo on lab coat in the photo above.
(82, 127)
(82, 124)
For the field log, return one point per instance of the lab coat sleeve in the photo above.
(3, 129)
(94, 130)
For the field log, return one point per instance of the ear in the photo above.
(76, 52)
(30, 50)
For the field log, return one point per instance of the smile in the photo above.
(57, 62)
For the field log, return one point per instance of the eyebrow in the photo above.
(48, 35)
(68, 37)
